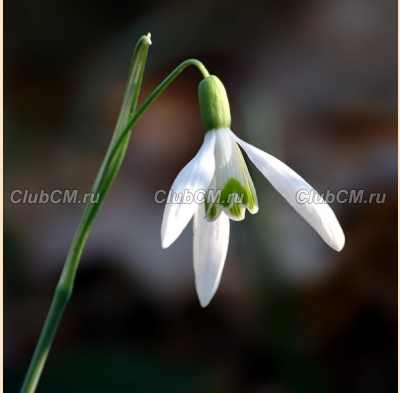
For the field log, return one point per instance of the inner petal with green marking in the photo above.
(232, 187)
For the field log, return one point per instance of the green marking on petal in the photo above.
(249, 193)
(236, 210)
(211, 211)
(206, 206)
(250, 197)
(232, 187)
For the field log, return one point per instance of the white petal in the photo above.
(319, 215)
(210, 245)
(196, 175)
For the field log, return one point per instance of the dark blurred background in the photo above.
(311, 82)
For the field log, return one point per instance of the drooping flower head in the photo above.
(220, 170)
(231, 176)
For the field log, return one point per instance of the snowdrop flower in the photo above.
(219, 166)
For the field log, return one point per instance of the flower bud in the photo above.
(214, 104)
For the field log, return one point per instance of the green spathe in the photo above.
(214, 104)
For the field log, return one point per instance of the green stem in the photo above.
(102, 184)
(162, 86)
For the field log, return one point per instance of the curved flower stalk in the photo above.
(220, 170)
